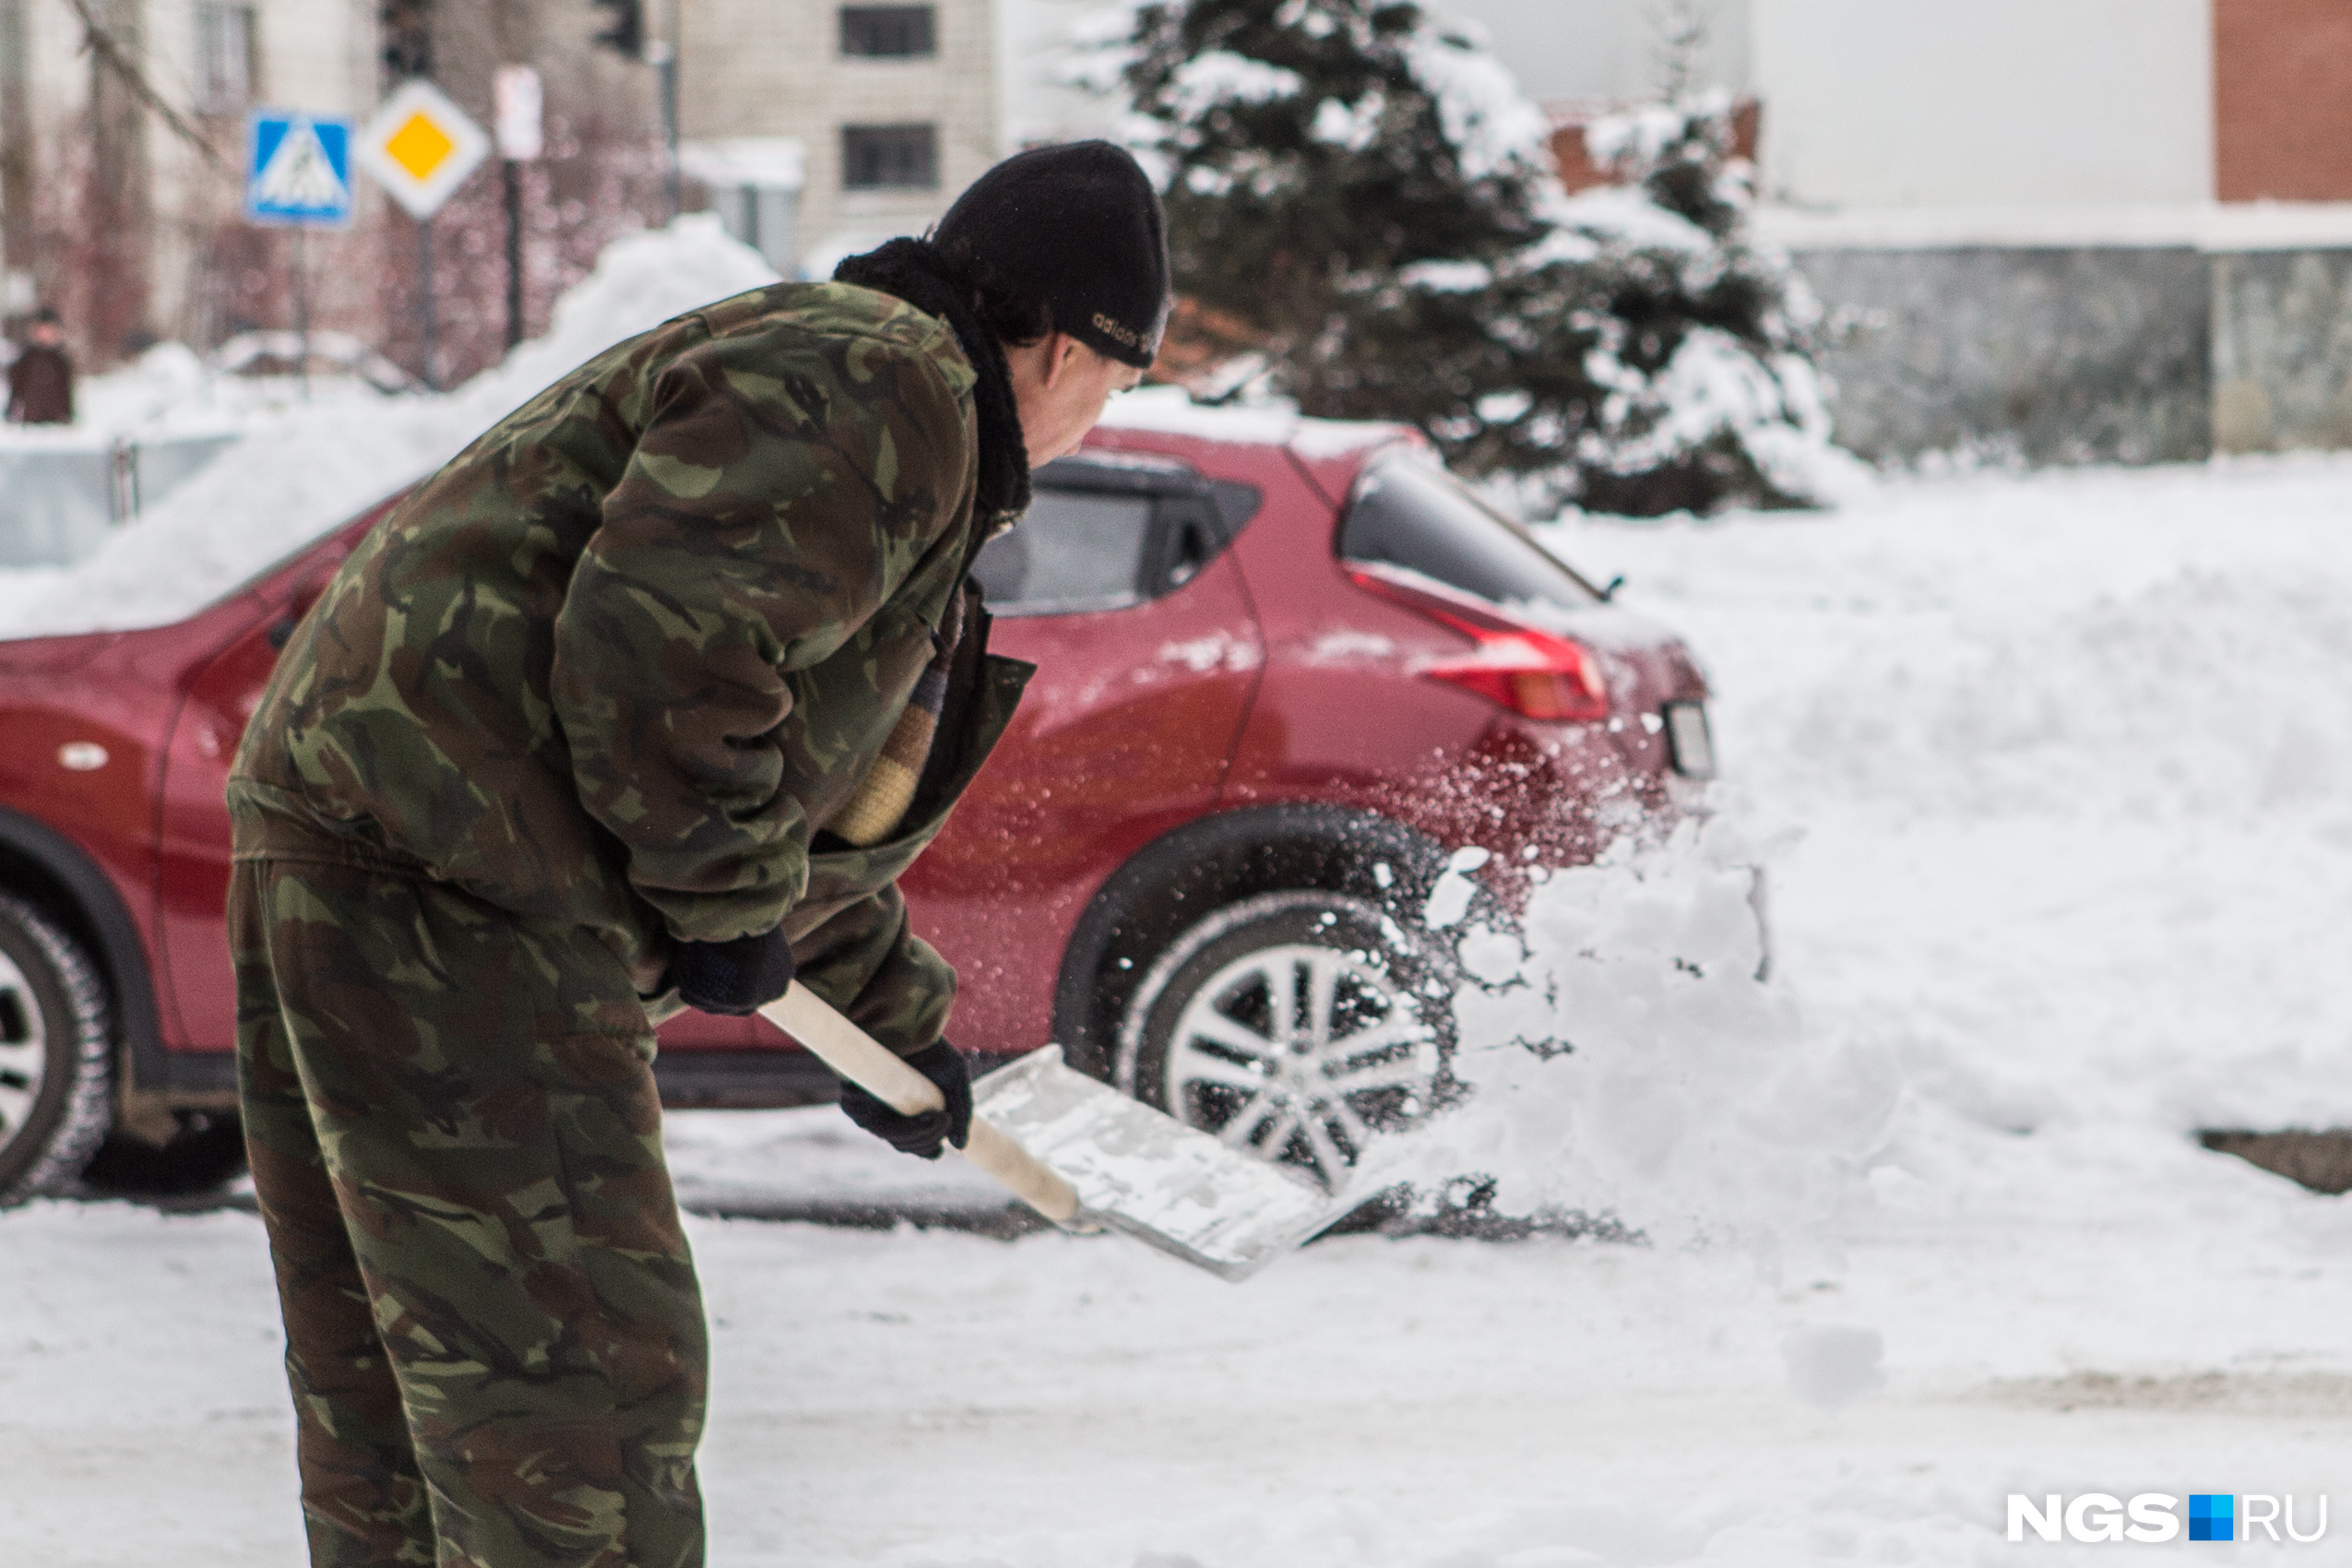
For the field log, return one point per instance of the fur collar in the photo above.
(915, 271)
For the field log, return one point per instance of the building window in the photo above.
(890, 157)
(224, 58)
(889, 32)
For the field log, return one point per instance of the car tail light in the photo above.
(1534, 673)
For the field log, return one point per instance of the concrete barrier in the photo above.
(2040, 356)
(2084, 336)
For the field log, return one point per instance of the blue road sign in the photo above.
(300, 168)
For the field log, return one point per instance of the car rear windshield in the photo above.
(1408, 512)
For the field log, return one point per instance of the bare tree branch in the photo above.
(1683, 32)
(110, 52)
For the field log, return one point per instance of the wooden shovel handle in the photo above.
(873, 1066)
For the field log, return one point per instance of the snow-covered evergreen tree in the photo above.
(1704, 341)
(1348, 176)
(1366, 189)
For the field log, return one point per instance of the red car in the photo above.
(1286, 671)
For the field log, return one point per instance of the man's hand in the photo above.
(921, 1136)
(736, 977)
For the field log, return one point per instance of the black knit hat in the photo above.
(1079, 227)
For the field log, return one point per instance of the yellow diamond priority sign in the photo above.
(420, 147)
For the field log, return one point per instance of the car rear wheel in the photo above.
(1299, 1026)
(55, 1054)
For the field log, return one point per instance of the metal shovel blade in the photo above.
(1139, 1170)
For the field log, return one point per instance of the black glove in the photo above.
(734, 978)
(944, 1065)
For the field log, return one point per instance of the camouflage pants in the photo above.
(493, 1331)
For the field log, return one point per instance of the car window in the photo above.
(1236, 502)
(1409, 513)
(1074, 549)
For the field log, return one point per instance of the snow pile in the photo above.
(1833, 1365)
(639, 283)
(2165, 677)
(300, 471)
(164, 390)
(1626, 1061)
(2069, 757)
(2070, 754)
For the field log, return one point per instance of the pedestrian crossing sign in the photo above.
(420, 147)
(300, 168)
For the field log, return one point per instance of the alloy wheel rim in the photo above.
(24, 1051)
(1301, 1054)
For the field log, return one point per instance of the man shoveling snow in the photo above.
(643, 702)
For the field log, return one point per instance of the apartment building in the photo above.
(880, 112)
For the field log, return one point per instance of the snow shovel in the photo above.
(1087, 1156)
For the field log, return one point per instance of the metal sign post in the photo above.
(299, 176)
(521, 137)
(420, 148)
(663, 57)
(428, 308)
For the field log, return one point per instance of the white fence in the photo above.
(59, 502)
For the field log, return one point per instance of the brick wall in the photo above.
(2283, 100)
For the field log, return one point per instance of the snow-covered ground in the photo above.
(2050, 773)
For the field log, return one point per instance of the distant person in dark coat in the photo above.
(40, 384)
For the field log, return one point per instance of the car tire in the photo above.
(1366, 1046)
(56, 1054)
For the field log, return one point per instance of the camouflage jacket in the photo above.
(618, 664)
